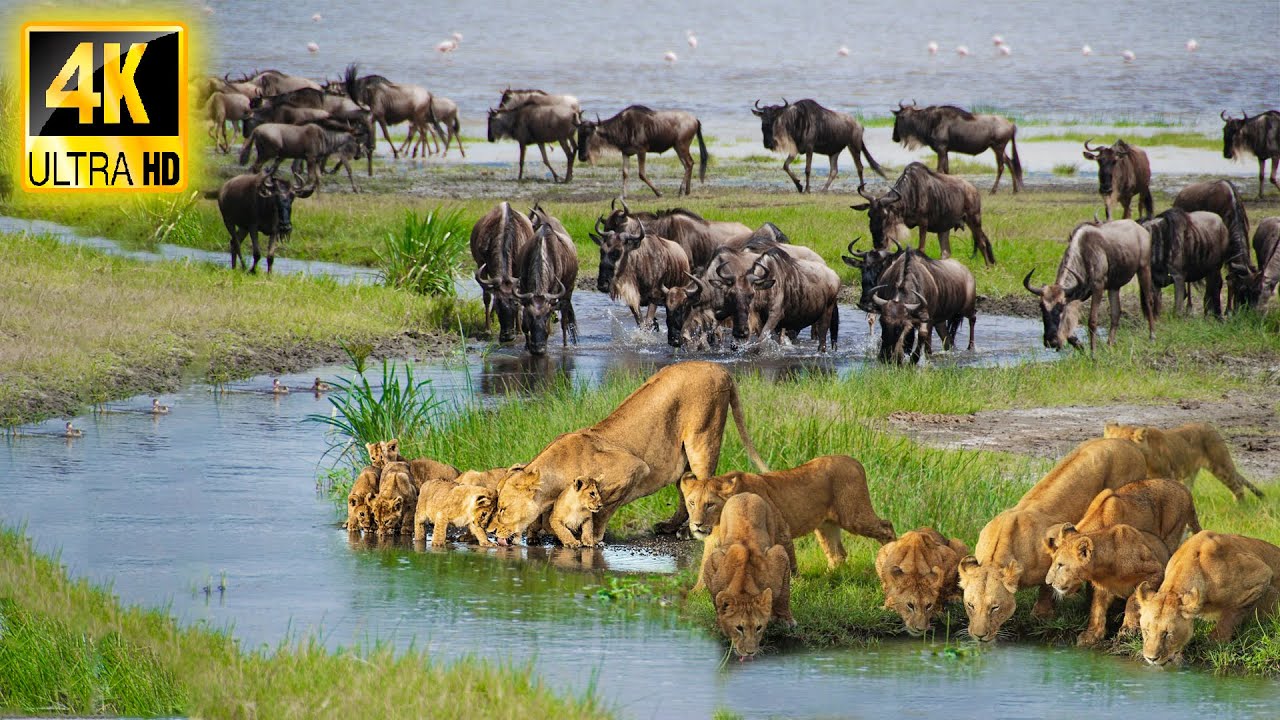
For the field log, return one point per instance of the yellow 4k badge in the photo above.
(104, 106)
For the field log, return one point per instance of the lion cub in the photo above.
(918, 572)
(363, 491)
(394, 504)
(1180, 453)
(574, 510)
(444, 503)
(420, 469)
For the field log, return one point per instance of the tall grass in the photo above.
(426, 254)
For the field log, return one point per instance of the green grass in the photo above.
(71, 648)
(1180, 139)
(426, 254)
(1065, 169)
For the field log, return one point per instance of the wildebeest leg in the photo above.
(686, 159)
(1179, 292)
(626, 160)
(520, 175)
(1113, 303)
(487, 299)
(944, 161)
(999, 153)
(413, 130)
(944, 243)
(1149, 296)
(786, 165)
(834, 170)
(237, 236)
(1262, 166)
(808, 165)
(350, 178)
(547, 161)
(1094, 302)
(570, 152)
(1127, 202)
(383, 124)
(651, 318)
(253, 237)
(271, 251)
(1213, 294)
(1274, 162)
(645, 178)
(1106, 207)
(568, 324)
(972, 319)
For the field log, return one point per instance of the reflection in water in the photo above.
(502, 374)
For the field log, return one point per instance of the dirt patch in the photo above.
(1247, 420)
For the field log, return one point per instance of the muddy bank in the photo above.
(1248, 421)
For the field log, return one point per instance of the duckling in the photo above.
(277, 388)
(72, 432)
(157, 408)
(320, 387)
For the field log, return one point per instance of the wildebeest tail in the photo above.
(209, 194)
(702, 156)
(247, 150)
(735, 404)
(835, 324)
(866, 152)
(1015, 162)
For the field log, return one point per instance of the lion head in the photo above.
(988, 595)
(1132, 433)
(518, 505)
(480, 505)
(588, 490)
(391, 451)
(705, 500)
(742, 618)
(375, 453)
(388, 514)
(913, 578)
(1166, 621)
(1072, 555)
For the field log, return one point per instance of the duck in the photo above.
(320, 387)
(157, 408)
(72, 432)
(278, 388)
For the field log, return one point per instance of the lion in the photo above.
(822, 497)
(491, 479)
(363, 490)
(1010, 554)
(573, 512)
(747, 572)
(393, 507)
(918, 572)
(1213, 575)
(1181, 452)
(444, 503)
(674, 422)
(420, 469)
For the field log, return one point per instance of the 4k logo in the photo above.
(104, 106)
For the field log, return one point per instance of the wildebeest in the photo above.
(1123, 171)
(389, 103)
(699, 309)
(1259, 135)
(274, 82)
(1099, 257)
(532, 123)
(807, 127)
(638, 130)
(512, 99)
(919, 295)
(442, 127)
(547, 278)
(946, 128)
(1188, 247)
(933, 202)
(635, 266)
(699, 237)
(871, 264)
(1220, 197)
(499, 241)
(312, 142)
(221, 108)
(1266, 246)
(790, 289)
(258, 202)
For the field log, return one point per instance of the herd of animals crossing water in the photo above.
(1112, 514)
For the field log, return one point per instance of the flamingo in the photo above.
(997, 40)
(670, 57)
(1005, 50)
(962, 51)
(447, 46)
(692, 39)
(1086, 50)
(317, 17)
(457, 37)
(312, 47)
(933, 47)
(1128, 56)
(843, 51)
(208, 10)
(1192, 45)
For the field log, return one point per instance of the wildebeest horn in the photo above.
(523, 296)
(785, 104)
(563, 289)
(1223, 115)
(484, 281)
(720, 273)
(613, 203)
(1095, 217)
(879, 301)
(625, 209)
(912, 307)
(894, 192)
(597, 118)
(1077, 275)
(898, 245)
(1034, 290)
(851, 251)
(697, 284)
(901, 106)
(757, 105)
(600, 224)
(1092, 149)
(862, 191)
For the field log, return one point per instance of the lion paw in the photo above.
(1088, 639)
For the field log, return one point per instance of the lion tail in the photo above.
(735, 404)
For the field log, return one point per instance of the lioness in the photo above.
(918, 572)
(672, 423)
(393, 507)
(1182, 452)
(1010, 554)
(573, 512)
(1229, 577)
(363, 490)
(748, 572)
(444, 503)
(822, 497)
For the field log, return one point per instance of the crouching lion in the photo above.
(1227, 577)
(1181, 452)
(918, 572)
(573, 512)
(822, 497)
(747, 572)
(420, 469)
(1010, 552)
(363, 491)
(444, 503)
(393, 507)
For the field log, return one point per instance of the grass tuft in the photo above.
(426, 254)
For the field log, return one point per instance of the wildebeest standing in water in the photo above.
(635, 266)
(499, 241)
(785, 288)
(258, 203)
(923, 295)
(311, 142)
(547, 279)
(536, 124)
(1259, 135)
(699, 237)
(1221, 198)
(933, 202)
(1099, 257)
(807, 127)
(1188, 247)
(946, 128)
(638, 130)
(389, 103)
(1123, 171)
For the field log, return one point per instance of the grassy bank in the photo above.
(82, 327)
(71, 648)
(1193, 140)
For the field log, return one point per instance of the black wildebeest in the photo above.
(1259, 135)
(547, 278)
(871, 264)
(638, 130)
(1099, 257)
(1188, 247)
(786, 289)
(1266, 246)
(807, 127)
(258, 203)
(933, 202)
(947, 128)
(1123, 171)
(699, 237)
(312, 142)
(389, 103)
(635, 266)
(532, 123)
(918, 295)
(499, 241)
(1220, 197)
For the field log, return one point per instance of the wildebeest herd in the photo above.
(1112, 514)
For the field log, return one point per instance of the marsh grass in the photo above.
(1065, 169)
(1181, 139)
(426, 254)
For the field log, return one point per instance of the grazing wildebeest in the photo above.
(258, 202)
(1220, 197)
(1123, 171)
(1188, 247)
(540, 124)
(946, 128)
(933, 202)
(699, 237)
(224, 107)
(634, 267)
(1099, 257)
(1266, 245)
(546, 283)
(925, 295)
(786, 289)
(499, 241)
(389, 103)
(807, 127)
(638, 130)
(1259, 135)
(312, 142)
